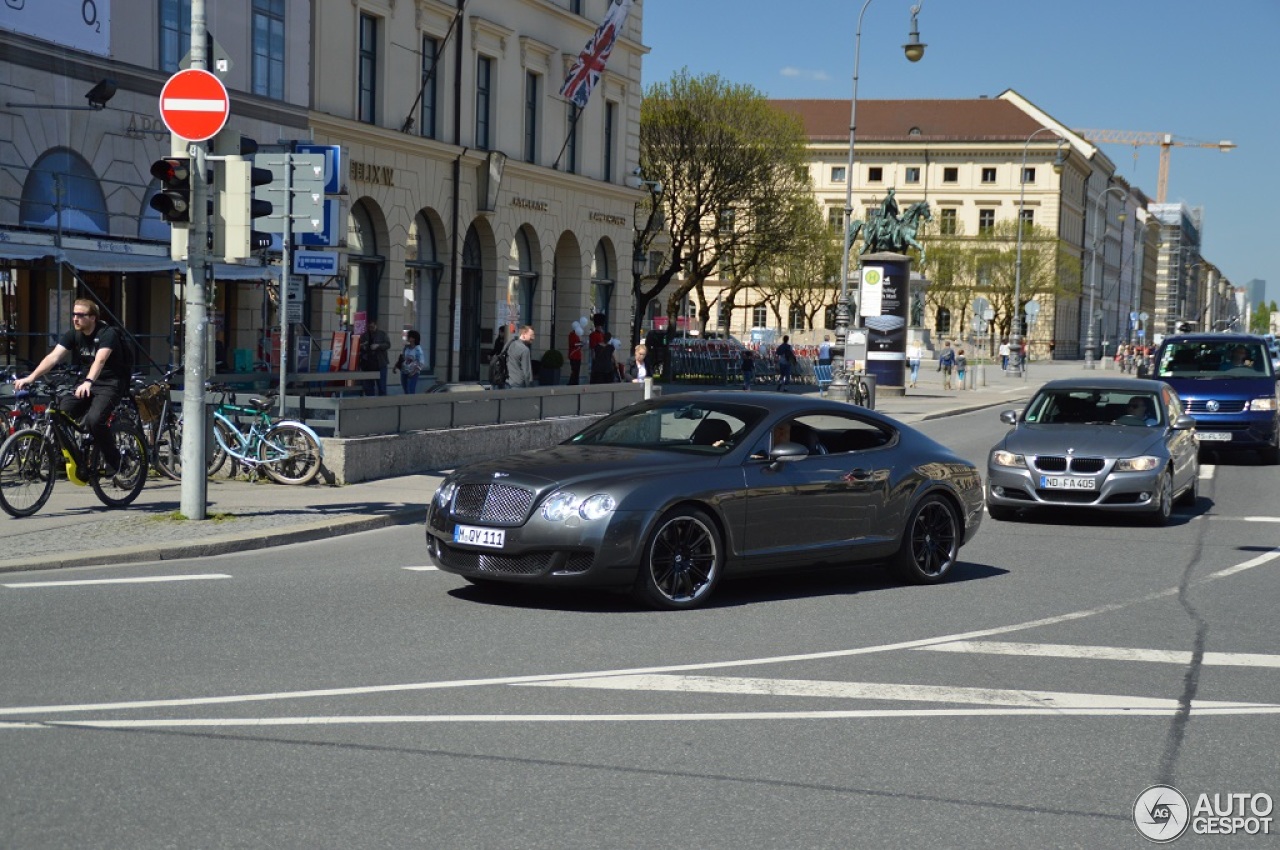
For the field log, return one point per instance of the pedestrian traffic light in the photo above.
(234, 238)
(173, 201)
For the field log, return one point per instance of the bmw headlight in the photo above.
(445, 494)
(1145, 463)
(1266, 402)
(1000, 457)
(559, 507)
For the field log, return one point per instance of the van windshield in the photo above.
(1214, 359)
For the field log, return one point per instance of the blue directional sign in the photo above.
(332, 165)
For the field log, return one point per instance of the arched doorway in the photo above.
(602, 284)
(365, 262)
(522, 280)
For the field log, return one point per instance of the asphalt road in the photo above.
(335, 694)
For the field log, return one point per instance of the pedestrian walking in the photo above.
(962, 365)
(410, 362)
(913, 363)
(1005, 350)
(786, 360)
(946, 362)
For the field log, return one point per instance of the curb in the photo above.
(222, 544)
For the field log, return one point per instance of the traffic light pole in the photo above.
(286, 269)
(194, 502)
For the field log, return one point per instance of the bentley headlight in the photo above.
(1145, 463)
(1266, 402)
(597, 506)
(445, 494)
(559, 507)
(1000, 457)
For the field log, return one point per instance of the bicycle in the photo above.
(287, 451)
(29, 459)
(161, 423)
(856, 390)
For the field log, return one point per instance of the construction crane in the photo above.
(1166, 141)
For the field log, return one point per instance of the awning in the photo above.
(18, 251)
(110, 261)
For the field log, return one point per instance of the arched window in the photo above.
(364, 263)
(423, 272)
(61, 191)
(602, 281)
(523, 278)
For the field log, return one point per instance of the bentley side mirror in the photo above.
(1009, 417)
(1184, 423)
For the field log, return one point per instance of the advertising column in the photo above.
(883, 303)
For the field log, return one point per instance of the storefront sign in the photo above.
(529, 204)
(367, 172)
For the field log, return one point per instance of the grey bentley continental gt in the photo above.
(668, 496)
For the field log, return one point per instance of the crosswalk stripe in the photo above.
(1104, 653)
(884, 691)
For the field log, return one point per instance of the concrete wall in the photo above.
(355, 459)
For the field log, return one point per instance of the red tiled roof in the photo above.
(979, 119)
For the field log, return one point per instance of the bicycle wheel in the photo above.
(289, 454)
(225, 437)
(127, 483)
(861, 394)
(26, 472)
(168, 450)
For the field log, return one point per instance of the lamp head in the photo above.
(101, 93)
(1059, 161)
(914, 48)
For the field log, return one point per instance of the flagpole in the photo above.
(573, 126)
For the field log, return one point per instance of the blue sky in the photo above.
(1202, 71)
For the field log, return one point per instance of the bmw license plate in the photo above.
(1213, 436)
(1066, 482)
(470, 535)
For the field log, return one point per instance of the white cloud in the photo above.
(804, 73)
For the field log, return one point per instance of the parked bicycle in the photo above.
(286, 450)
(856, 389)
(30, 458)
(161, 423)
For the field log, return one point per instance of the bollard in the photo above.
(981, 376)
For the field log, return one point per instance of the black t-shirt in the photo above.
(84, 348)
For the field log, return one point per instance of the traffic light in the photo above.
(233, 235)
(173, 201)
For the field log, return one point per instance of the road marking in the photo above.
(138, 580)
(668, 717)
(1250, 518)
(422, 569)
(889, 692)
(1106, 653)
(1071, 616)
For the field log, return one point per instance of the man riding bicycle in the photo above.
(99, 354)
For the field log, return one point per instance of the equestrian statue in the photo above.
(887, 231)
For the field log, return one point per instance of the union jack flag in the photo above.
(590, 63)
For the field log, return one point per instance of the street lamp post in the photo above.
(1098, 229)
(1014, 342)
(914, 50)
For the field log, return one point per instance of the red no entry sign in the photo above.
(194, 105)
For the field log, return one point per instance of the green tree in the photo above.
(964, 267)
(803, 278)
(1260, 321)
(733, 173)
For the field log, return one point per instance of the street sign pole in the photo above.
(194, 501)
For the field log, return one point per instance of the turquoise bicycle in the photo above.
(286, 450)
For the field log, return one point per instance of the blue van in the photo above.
(1228, 383)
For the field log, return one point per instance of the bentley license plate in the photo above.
(470, 535)
(1061, 482)
(1213, 436)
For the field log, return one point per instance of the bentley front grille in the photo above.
(500, 504)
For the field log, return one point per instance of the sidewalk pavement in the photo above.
(75, 529)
